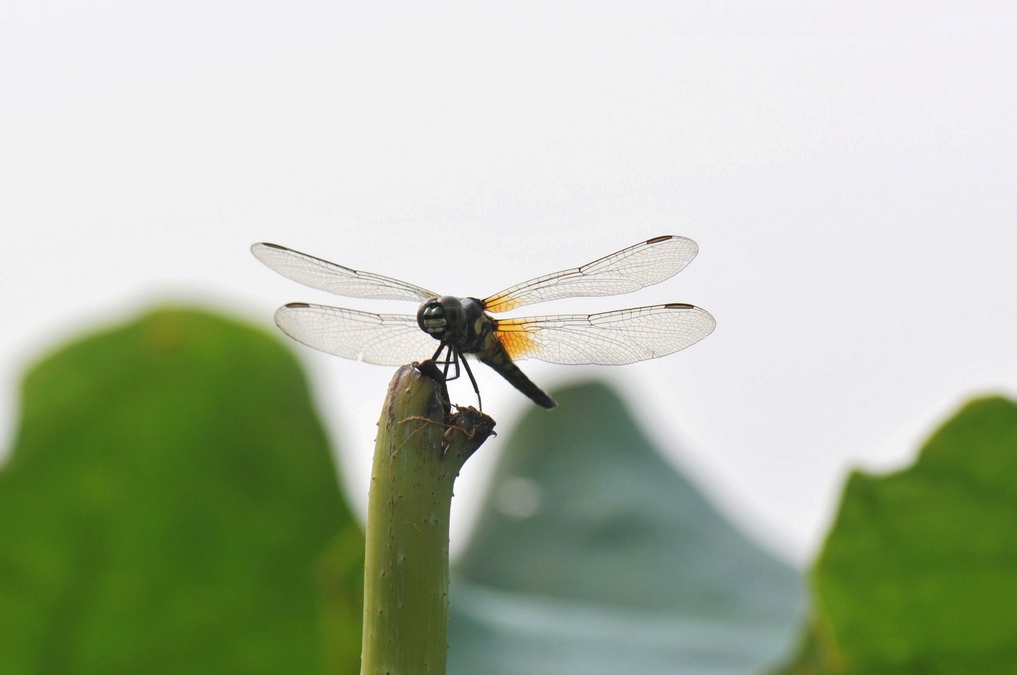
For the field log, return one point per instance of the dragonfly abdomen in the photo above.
(496, 358)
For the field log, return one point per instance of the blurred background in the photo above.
(846, 171)
(847, 174)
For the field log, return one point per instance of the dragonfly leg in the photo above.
(473, 381)
(454, 360)
(441, 346)
(451, 358)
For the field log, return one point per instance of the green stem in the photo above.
(418, 454)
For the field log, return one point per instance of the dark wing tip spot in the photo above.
(664, 237)
(297, 305)
(265, 243)
(679, 305)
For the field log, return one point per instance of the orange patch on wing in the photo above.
(516, 340)
(500, 303)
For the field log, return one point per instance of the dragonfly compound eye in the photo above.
(439, 316)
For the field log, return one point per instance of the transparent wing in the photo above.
(382, 339)
(644, 264)
(327, 276)
(609, 338)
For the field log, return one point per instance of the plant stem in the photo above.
(418, 454)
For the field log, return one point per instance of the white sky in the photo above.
(848, 172)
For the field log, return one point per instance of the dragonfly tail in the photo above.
(501, 362)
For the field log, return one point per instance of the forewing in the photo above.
(609, 338)
(383, 339)
(327, 276)
(635, 267)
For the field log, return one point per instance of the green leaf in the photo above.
(919, 574)
(171, 506)
(595, 555)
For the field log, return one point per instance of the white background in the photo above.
(847, 170)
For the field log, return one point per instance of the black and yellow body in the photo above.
(463, 327)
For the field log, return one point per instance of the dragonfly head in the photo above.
(442, 316)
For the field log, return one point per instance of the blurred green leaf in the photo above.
(171, 506)
(919, 574)
(595, 555)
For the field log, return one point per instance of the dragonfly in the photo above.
(466, 326)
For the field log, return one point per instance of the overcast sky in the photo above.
(848, 172)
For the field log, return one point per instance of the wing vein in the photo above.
(333, 278)
(608, 338)
(628, 270)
